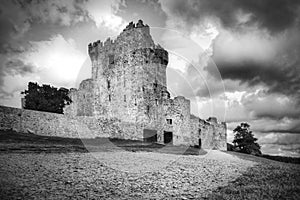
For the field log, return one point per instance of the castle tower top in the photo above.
(134, 45)
(134, 36)
(139, 24)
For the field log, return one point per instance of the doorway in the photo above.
(199, 142)
(168, 137)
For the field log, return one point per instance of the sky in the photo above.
(237, 60)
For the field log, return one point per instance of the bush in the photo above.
(46, 98)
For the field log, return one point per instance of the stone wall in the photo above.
(219, 134)
(52, 124)
(178, 110)
(211, 133)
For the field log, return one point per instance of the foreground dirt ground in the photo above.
(141, 175)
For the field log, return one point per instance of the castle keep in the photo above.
(128, 91)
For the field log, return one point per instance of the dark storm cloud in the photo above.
(7, 48)
(250, 72)
(22, 21)
(18, 67)
(14, 67)
(281, 78)
(275, 15)
(254, 65)
(63, 13)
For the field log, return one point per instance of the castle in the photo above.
(128, 89)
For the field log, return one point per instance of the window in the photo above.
(108, 84)
(111, 59)
(124, 98)
(169, 121)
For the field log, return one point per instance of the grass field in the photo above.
(12, 141)
(267, 180)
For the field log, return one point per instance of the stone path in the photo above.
(116, 175)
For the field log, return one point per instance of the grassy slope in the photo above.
(266, 180)
(11, 141)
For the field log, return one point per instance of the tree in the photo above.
(46, 98)
(244, 141)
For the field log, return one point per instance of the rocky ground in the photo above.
(116, 175)
(55, 168)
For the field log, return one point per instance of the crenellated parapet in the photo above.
(97, 48)
(132, 25)
(134, 36)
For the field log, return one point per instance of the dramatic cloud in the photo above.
(18, 17)
(261, 59)
(14, 67)
(257, 43)
(260, 104)
(274, 15)
(63, 13)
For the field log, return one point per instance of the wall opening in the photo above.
(199, 132)
(108, 84)
(124, 98)
(149, 135)
(199, 143)
(169, 121)
(111, 59)
(109, 97)
(168, 137)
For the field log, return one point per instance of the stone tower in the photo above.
(128, 86)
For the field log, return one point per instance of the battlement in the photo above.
(134, 36)
(132, 25)
(129, 27)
